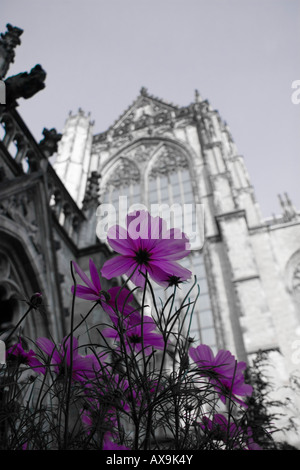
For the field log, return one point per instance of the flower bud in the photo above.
(36, 299)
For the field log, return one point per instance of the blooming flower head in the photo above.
(29, 358)
(83, 367)
(223, 371)
(229, 432)
(137, 334)
(119, 304)
(92, 289)
(147, 245)
(115, 298)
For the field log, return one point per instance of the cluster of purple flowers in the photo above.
(220, 429)
(154, 254)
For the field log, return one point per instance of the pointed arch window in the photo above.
(169, 183)
(123, 180)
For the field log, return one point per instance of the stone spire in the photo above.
(289, 212)
(198, 97)
(73, 159)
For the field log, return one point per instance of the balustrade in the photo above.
(28, 155)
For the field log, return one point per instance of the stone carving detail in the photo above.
(8, 42)
(143, 152)
(168, 161)
(209, 127)
(91, 197)
(125, 173)
(289, 211)
(25, 85)
(296, 282)
(11, 38)
(147, 116)
(292, 277)
(19, 208)
(48, 145)
(143, 121)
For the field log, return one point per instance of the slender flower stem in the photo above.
(19, 322)
(69, 370)
(230, 407)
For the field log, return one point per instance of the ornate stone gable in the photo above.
(148, 115)
(146, 110)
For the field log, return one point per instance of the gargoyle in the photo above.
(24, 85)
(48, 145)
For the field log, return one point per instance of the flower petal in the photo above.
(171, 268)
(120, 241)
(83, 276)
(95, 276)
(117, 266)
(202, 355)
(46, 345)
(170, 249)
(85, 293)
(123, 297)
(49, 348)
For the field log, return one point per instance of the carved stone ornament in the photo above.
(25, 85)
(20, 208)
(124, 174)
(48, 145)
(296, 282)
(11, 38)
(292, 276)
(91, 196)
(143, 152)
(8, 42)
(168, 161)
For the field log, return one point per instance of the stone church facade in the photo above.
(248, 268)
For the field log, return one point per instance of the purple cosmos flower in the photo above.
(218, 428)
(223, 371)
(119, 305)
(83, 367)
(29, 358)
(115, 298)
(137, 333)
(153, 249)
(92, 290)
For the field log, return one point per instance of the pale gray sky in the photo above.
(242, 55)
